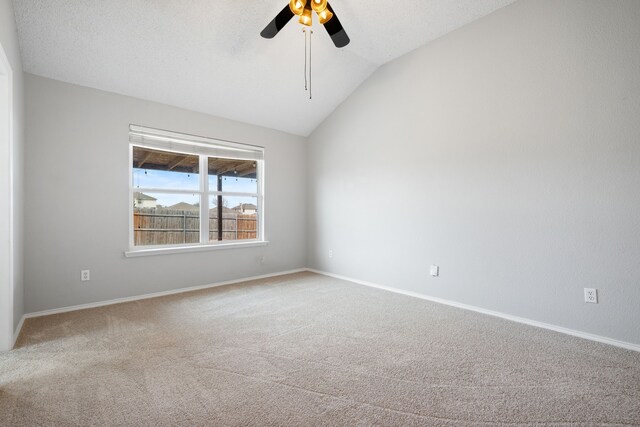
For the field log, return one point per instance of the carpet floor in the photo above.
(306, 349)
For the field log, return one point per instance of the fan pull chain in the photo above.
(307, 70)
(304, 30)
(310, 33)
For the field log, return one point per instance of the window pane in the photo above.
(165, 219)
(236, 175)
(165, 170)
(239, 218)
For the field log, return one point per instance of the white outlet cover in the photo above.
(85, 275)
(591, 295)
(330, 253)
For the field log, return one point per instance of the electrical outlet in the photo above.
(591, 295)
(85, 275)
(330, 253)
(435, 270)
(263, 259)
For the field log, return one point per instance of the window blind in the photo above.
(191, 144)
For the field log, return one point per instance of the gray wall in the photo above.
(77, 206)
(9, 41)
(506, 152)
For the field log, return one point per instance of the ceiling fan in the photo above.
(302, 8)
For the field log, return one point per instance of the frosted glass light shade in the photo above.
(318, 5)
(324, 16)
(305, 18)
(297, 6)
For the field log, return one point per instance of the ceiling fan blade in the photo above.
(281, 19)
(335, 30)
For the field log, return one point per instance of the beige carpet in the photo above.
(307, 350)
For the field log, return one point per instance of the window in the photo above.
(189, 191)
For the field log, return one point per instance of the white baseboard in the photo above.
(16, 333)
(152, 295)
(573, 332)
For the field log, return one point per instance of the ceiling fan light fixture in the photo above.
(324, 16)
(297, 6)
(304, 10)
(319, 5)
(305, 18)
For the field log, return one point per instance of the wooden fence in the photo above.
(154, 226)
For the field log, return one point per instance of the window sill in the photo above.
(199, 248)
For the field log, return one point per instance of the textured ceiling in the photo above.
(207, 56)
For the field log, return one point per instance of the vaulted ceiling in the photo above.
(208, 56)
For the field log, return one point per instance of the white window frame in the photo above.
(204, 148)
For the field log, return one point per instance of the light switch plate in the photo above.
(435, 270)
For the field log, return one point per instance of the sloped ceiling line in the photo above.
(138, 47)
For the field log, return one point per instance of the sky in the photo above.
(148, 178)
